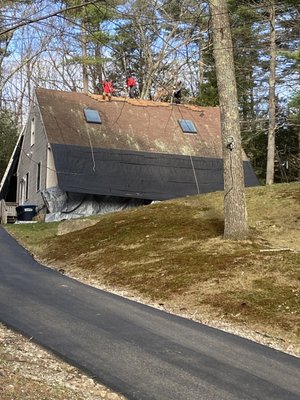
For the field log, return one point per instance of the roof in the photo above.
(129, 124)
(138, 150)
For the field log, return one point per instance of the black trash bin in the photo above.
(26, 212)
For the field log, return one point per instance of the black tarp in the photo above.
(154, 176)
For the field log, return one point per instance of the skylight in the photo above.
(92, 116)
(187, 126)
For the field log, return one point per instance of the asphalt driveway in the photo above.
(134, 349)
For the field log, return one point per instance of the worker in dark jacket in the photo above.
(177, 92)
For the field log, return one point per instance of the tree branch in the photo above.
(32, 21)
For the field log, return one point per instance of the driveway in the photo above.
(139, 351)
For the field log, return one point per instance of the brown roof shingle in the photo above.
(129, 124)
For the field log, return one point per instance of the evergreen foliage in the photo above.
(8, 138)
(160, 41)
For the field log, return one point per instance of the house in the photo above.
(119, 151)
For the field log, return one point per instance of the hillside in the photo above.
(172, 255)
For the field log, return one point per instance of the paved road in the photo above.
(139, 351)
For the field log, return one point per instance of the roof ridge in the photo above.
(134, 102)
(150, 103)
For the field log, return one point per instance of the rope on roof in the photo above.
(192, 163)
(92, 152)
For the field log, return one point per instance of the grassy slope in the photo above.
(173, 253)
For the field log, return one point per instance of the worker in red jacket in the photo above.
(107, 89)
(131, 87)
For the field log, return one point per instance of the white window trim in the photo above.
(24, 189)
(21, 189)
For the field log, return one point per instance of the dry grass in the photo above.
(173, 253)
(27, 372)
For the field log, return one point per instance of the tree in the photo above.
(154, 41)
(161, 41)
(283, 33)
(244, 30)
(260, 64)
(90, 18)
(272, 97)
(294, 117)
(8, 138)
(4, 52)
(235, 214)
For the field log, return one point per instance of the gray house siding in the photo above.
(33, 157)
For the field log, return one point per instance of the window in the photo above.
(32, 132)
(21, 192)
(26, 186)
(38, 176)
(187, 126)
(92, 116)
(24, 189)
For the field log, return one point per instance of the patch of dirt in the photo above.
(74, 225)
(266, 335)
(28, 372)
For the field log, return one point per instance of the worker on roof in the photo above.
(131, 87)
(176, 96)
(107, 89)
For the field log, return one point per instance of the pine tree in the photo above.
(93, 38)
(235, 214)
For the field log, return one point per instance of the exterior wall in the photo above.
(51, 176)
(33, 161)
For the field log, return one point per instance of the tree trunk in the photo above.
(85, 77)
(235, 213)
(200, 63)
(145, 92)
(272, 99)
(98, 69)
(298, 156)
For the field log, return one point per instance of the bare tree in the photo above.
(40, 58)
(85, 77)
(158, 45)
(28, 21)
(235, 213)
